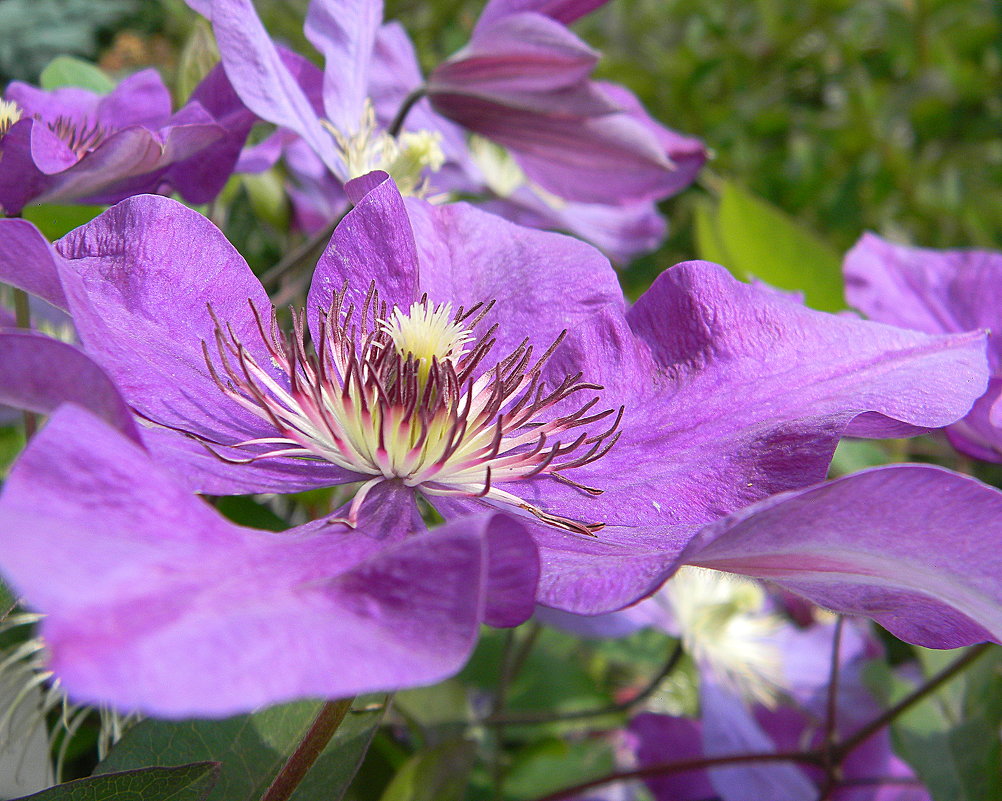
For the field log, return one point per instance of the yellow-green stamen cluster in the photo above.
(10, 113)
(405, 157)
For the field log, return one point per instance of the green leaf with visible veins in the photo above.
(181, 783)
(251, 749)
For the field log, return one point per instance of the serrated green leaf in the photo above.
(437, 774)
(754, 239)
(252, 748)
(57, 221)
(69, 71)
(181, 783)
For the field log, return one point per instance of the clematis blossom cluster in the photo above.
(561, 151)
(72, 145)
(581, 450)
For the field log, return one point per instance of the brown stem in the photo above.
(22, 316)
(308, 751)
(831, 713)
(272, 276)
(404, 110)
(875, 725)
(683, 766)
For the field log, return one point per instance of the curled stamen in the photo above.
(411, 395)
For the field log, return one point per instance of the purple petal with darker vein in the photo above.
(39, 373)
(154, 602)
(565, 11)
(519, 53)
(914, 547)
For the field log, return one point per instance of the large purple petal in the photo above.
(140, 279)
(39, 373)
(262, 79)
(731, 404)
(344, 31)
(154, 602)
(914, 547)
(29, 262)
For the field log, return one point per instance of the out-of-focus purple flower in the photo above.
(154, 602)
(729, 725)
(938, 291)
(484, 365)
(72, 145)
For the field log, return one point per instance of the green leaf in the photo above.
(439, 774)
(958, 763)
(181, 783)
(69, 71)
(198, 56)
(547, 765)
(951, 738)
(252, 748)
(754, 239)
(57, 221)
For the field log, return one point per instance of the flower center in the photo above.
(411, 395)
(725, 624)
(10, 113)
(404, 157)
(80, 136)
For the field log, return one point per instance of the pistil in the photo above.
(406, 395)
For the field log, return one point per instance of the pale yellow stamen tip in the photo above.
(10, 113)
(405, 157)
(426, 332)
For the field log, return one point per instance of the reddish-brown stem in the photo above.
(308, 751)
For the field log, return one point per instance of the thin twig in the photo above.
(298, 255)
(547, 716)
(831, 712)
(308, 751)
(875, 725)
(22, 316)
(683, 766)
(405, 108)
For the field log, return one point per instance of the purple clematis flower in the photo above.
(154, 602)
(72, 145)
(938, 291)
(486, 366)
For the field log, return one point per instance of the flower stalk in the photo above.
(324, 726)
